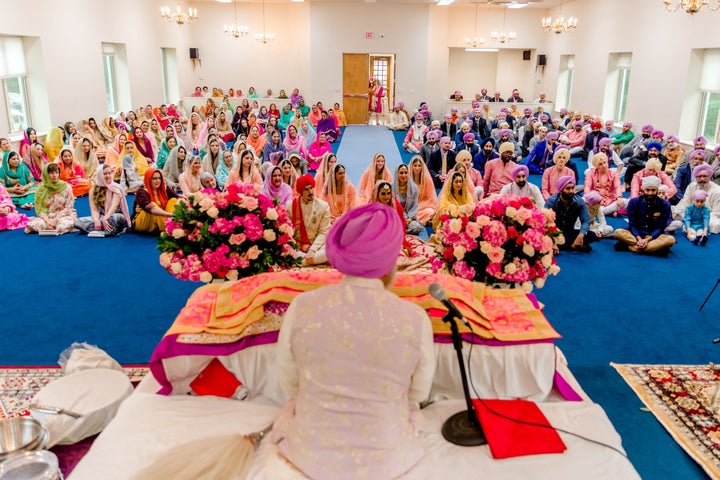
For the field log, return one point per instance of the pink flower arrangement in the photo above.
(505, 239)
(227, 235)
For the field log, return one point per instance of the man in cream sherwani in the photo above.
(311, 218)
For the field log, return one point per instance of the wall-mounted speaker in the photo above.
(526, 55)
(541, 60)
(194, 53)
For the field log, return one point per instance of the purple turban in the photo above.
(419, 116)
(700, 195)
(504, 110)
(544, 118)
(700, 139)
(518, 170)
(563, 182)
(577, 124)
(674, 138)
(604, 141)
(609, 122)
(431, 135)
(498, 93)
(504, 131)
(553, 135)
(445, 139)
(563, 111)
(656, 145)
(658, 133)
(447, 116)
(593, 198)
(527, 110)
(704, 168)
(628, 124)
(453, 109)
(648, 128)
(402, 104)
(717, 150)
(365, 242)
(468, 136)
(457, 92)
(698, 152)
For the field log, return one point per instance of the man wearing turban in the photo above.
(311, 219)
(522, 188)
(570, 208)
(638, 161)
(648, 217)
(398, 120)
(498, 172)
(355, 360)
(702, 175)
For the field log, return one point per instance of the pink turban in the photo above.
(704, 168)
(577, 123)
(518, 170)
(700, 139)
(445, 139)
(628, 124)
(593, 198)
(604, 141)
(504, 131)
(700, 195)
(717, 150)
(365, 242)
(658, 133)
(527, 110)
(648, 128)
(553, 135)
(468, 136)
(698, 152)
(563, 111)
(431, 135)
(447, 116)
(673, 138)
(303, 181)
(564, 181)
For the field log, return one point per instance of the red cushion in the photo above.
(509, 438)
(216, 380)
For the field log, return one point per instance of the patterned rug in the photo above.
(686, 401)
(18, 385)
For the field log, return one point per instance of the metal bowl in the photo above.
(20, 434)
(41, 464)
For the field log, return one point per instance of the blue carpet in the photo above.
(608, 306)
(360, 143)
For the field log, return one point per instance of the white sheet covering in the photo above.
(146, 425)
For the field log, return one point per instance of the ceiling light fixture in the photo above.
(236, 30)
(474, 42)
(264, 37)
(691, 6)
(559, 25)
(178, 15)
(503, 36)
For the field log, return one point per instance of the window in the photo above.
(710, 117)
(168, 63)
(623, 84)
(565, 81)
(110, 85)
(617, 86)
(13, 73)
(382, 68)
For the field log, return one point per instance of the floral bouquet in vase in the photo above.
(505, 239)
(227, 235)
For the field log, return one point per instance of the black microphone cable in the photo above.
(525, 422)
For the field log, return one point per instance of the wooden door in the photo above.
(355, 87)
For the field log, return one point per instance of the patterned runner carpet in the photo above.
(18, 386)
(686, 401)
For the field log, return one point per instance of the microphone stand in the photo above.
(462, 428)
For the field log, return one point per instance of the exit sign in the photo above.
(368, 35)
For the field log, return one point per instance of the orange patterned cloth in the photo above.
(230, 308)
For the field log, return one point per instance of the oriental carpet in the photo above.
(686, 401)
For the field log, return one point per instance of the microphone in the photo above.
(438, 293)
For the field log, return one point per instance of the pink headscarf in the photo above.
(365, 242)
(113, 189)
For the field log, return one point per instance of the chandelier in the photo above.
(236, 30)
(264, 37)
(177, 15)
(559, 24)
(691, 6)
(503, 36)
(474, 42)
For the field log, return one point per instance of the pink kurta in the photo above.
(607, 185)
(664, 178)
(550, 178)
(11, 220)
(357, 360)
(497, 175)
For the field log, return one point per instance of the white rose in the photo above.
(485, 247)
(547, 260)
(455, 225)
(176, 267)
(271, 214)
(528, 287)
(553, 270)
(459, 252)
(528, 250)
(539, 282)
(284, 228)
(206, 277)
(178, 233)
(232, 275)
(510, 212)
(510, 268)
(269, 235)
(213, 212)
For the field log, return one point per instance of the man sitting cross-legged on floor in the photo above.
(702, 174)
(569, 209)
(648, 216)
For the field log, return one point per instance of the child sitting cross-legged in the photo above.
(697, 219)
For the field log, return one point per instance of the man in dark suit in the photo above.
(441, 162)
(448, 128)
(497, 98)
(516, 98)
(592, 140)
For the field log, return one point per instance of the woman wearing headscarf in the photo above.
(453, 196)
(130, 180)
(174, 166)
(289, 174)
(10, 219)
(338, 192)
(327, 126)
(407, 194)
(72, 173)
(298, 163)
(275, 189)
(29, 139)
(167, 144)
(113, 154)
(54, 141)
(226, 165)
(376, 171)
(19, 183)
(54, 203)
(108, 130)
(274, 150)
(316, 151)
(263, 116)
(256, 141)
(86, 157)
(189, 180)
(213, 157)
(382, 193)
(245, 170)
(141, 162)
(294, 142)
(427, 196)
(154, 203)
(109, 211)
(307, 131)
(224, 128)
(143, 145)
(36, 161)
(286, 116)
(328, 162)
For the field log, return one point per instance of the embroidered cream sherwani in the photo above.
(356, 360)
(317, 223)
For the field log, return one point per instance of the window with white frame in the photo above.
(623, 84)
(171, 87)
(108, 59)
(563, 95)
(13, 73)
(617, 85)
(709, 121)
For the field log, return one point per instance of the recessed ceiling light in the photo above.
(443, 3)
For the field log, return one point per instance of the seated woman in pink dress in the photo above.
(352, 398)
(552, 174)
(275, 189)
(36, 161)
(245, 170)
(376, 171)
(427, 195)
(54, 203)
(294, 142)
(10, 219)
(339, 193)
(72, 173)
(316, 151)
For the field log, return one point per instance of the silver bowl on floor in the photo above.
(38, 465)
(21, 434)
